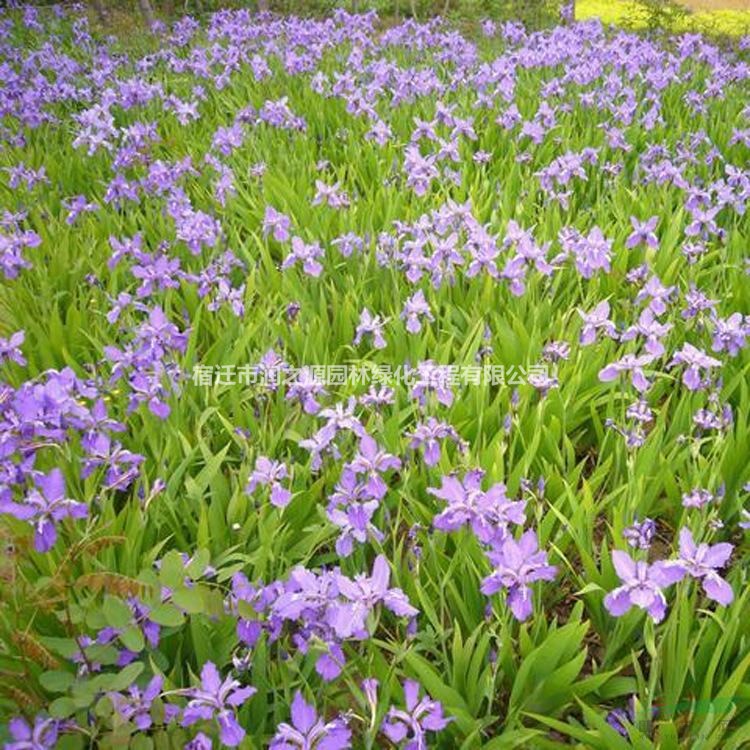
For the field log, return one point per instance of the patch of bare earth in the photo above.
(708, 5)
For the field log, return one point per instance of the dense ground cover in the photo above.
(373, 387)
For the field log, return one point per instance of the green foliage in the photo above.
(657, 14)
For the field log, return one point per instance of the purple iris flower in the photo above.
(348, 244)
(11, 252)
(43, 735)
(640, 534)
(408, 728)
(148, 360)
(517, 564)
(195, 228)
(305, 593)
(696, 361)
(270, 370)
(697, 498)
(428, 435)
(305, 388)
(76, 206)
(362, 594)
(643, 233)
(416, 308)
(227, 139)
(330, 664)
(432, 378)
(215, 699)
(596, 320)
(703, 223)
(268, 472)
(658, 295)
(330, 195)
(319, 445)
(156, 273)
(135, 706)
(651, 329)
(592, 253)
(632, 364)
(515, 272)
(618, 717)
(378, 397)
(420, 170)
(355, 524)
(693, 251)
(730, 334)
(642, 585)
(484, 253)
(305, 254)
(701, 561)
(45, 509)
(371, 461)
(200, 742)
(341, 417)
(543, 382)
(380, 133)
(535, 254)
(370, 325)
(276, 224)
(309, 732)
(488, 512)
(128, 246)
(555, 351)
(10, 348)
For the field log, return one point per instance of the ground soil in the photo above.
(717, 4)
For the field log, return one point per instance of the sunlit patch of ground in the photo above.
(713, 16)
(717, 5)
